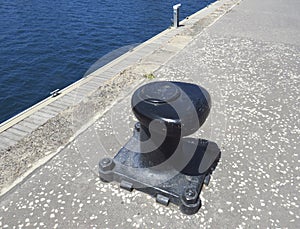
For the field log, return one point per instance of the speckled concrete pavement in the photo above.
(249, 62)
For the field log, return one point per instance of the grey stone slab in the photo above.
(23, 128)
(68, 100)
(76, 96)
(191, 21)
(59, 104)
(35, 119)
(153, 46)
(10, 135)
(97, 80)
(52, 109)
(6, 142)
(75, 93)
(119, 67)
(27, 124)
(122, 66)
(158, 43)
(163, 39)
(146, 50)
(172, 32)
(63, 102)
(2, 147)
(133, 58)
(16, 131)
(110, 72)
(128, 61)
(140, 53)
(92, 86)
(45, 115)
(159, 56)
(83, 91)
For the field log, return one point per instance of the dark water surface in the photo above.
(49, 44)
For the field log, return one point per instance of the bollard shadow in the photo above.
(205, 156)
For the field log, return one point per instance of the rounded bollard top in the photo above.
(175, 7)
(181, 107)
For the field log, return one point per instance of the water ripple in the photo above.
(48, 44)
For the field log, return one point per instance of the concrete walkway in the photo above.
(41, 131)
(249, 61)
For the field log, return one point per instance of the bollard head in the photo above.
(175, 7)
(181, 107)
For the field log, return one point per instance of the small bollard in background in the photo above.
(176, 15)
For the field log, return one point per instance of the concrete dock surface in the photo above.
(247, 55)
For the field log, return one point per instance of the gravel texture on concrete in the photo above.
(254, 82)
(58, 131)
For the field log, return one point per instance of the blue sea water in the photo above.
(49, 44)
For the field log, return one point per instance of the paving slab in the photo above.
(22, 128)
(27, 124)
(16, 131)
(5, 141)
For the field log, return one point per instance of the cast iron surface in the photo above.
(158, 159)
(181, 106)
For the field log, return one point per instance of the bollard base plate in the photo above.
(168, 182)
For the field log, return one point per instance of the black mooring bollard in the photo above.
(159, 159)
